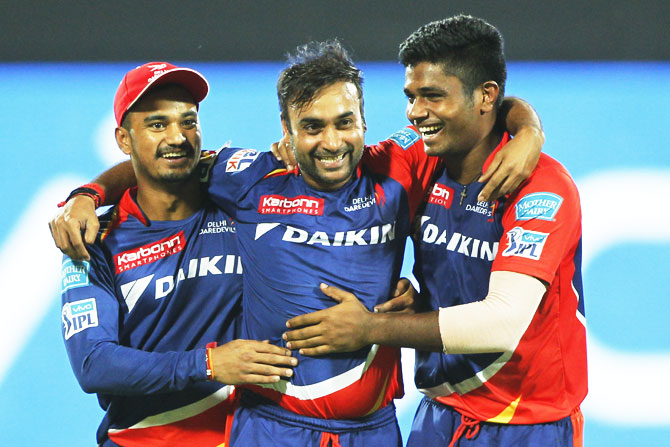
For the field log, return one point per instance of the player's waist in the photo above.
(357, 392)
(271, 410)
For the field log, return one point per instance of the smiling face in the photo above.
(450, 120)
(161, 134)
(327, 136)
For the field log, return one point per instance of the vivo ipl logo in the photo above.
(79, 315)
(525, 243)
(74, 274)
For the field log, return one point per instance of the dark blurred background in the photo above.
(210, 30)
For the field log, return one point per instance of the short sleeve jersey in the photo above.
(137, 316)
(535, 231)
(293, 237)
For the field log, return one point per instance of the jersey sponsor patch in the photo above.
(538, 205)
(441, 195)
(74, 274)
(79, 315)
(276, 204)
(150, 252)
(405, 137)
(241, 160)
(525, 243)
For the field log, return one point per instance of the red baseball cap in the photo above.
(138, 80)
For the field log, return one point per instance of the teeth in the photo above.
(174, 155)
(429, 129)
(331, 159)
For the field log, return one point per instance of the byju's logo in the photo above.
(79, 315)
(74, 274)
(525, 243)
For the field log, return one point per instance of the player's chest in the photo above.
(451, 219)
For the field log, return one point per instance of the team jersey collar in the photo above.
(128, 207)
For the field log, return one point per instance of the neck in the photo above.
(466, 167)
(169, 201)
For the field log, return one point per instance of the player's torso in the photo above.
(179, 283)
(292, 238)
(456, 239)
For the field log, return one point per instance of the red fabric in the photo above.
(380, 384)
(210, 428)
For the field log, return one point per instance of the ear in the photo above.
(490, 91)
(284, 127)
(123, 140)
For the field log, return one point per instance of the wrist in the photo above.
(532, 132)
(92, 190)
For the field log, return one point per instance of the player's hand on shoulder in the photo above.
(241, 362)
(511, 165)
(75, 225)
(282, 152)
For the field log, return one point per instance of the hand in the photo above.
(512, 165)
(282, 152)
(76, 217)
(403, 301)
(249, 361)
(341, 328)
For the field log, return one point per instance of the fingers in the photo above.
(282, 152)
(401, 287)
(338, 295)
(300, 334)
(396, 304)
(492, 168)
(317, 351)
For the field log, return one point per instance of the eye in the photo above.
(157, 125)
(345, 123)
(190, 122)
(311, 129)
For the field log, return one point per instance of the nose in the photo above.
(174, 135)
(331, 139)
(416, 110)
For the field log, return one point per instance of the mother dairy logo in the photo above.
(74, 274)
(538, 205)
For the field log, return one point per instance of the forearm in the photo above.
(495, 324)
(418, 331)
(116, 180)
(520, 117)
(113, 369)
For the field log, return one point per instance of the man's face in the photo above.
(327, 136)
(164, 137)
(449, 120)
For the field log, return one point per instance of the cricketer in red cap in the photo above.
(138, 80)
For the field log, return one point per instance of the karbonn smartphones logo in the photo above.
(149, 253)
(441, 195)
(274, 204)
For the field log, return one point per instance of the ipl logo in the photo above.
(525, 243)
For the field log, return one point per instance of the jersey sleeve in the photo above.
(234, 171)
(402, 156)
(541, 223)
(91, 316)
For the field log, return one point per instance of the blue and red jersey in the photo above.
(535, 231)
(138, 316)
(293, 237)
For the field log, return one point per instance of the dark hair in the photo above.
(312, 67)
(467, 47)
